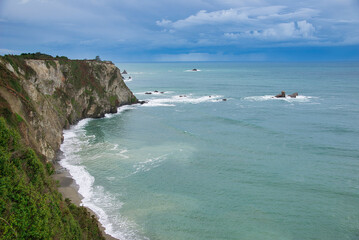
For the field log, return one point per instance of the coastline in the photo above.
(51, 94)
(67, 184)
(69, 189)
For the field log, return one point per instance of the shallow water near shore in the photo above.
(188, 165)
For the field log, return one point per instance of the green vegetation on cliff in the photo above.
(30, 205)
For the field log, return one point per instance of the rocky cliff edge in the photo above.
(48, 94)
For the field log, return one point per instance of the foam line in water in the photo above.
(168, 102)
(120, 110)
(149, 164)
(299, 98)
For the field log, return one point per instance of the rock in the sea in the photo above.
(224, 99)
(293, 95)
(282, 95)
(194, 70)
(148, 93)
(124, 72)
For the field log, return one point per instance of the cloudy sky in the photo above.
(183, 30)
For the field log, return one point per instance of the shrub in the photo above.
(30, 205)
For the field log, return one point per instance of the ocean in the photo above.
(213, 155)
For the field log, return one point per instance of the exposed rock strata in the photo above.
(52, 94)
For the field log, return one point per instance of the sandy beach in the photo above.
(69, 189)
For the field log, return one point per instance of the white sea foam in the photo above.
(299, 98)
(104, 204)
(128, 80)
(120, 110)
(122, 154)
(115, 147)
(170, 102)
(149, 164)
(190, 70)
(110, 178)
(124, 151)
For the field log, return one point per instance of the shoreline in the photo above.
(68, 186)
(69, 189)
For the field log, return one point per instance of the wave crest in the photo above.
(189, 99)
(299, 98)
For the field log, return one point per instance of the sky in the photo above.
(183, 30)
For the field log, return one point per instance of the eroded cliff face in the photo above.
(49, 95)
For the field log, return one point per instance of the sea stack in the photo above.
(282, 95)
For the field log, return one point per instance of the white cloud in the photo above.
(164, 23)
(272, 23)
(203, 18)
(300, 29)
(305, 29)
(282, 31)
(244, 15)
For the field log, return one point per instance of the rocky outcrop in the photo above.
(293, 95)
(281, 95)
(51, 94)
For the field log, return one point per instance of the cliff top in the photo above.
(43, 56)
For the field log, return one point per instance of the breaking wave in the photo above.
(299, 98)
(188, 99)
(103, 203)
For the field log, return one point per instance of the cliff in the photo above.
(50, 94)
(39, 97)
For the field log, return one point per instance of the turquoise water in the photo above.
(251, 167)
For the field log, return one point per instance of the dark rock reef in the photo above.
(282, 95)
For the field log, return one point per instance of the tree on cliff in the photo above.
(98, 59)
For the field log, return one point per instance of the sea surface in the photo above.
(189, 165)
